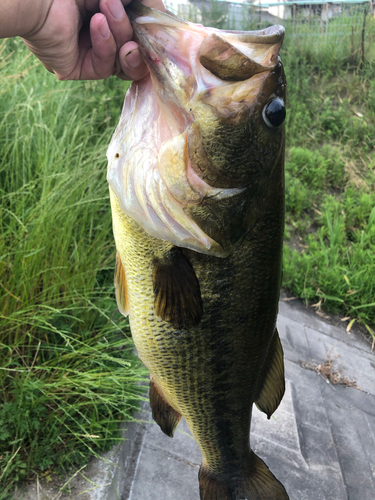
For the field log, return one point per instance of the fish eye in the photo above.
(274, 113)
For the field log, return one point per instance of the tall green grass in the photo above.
(329, 256)
(67, 371)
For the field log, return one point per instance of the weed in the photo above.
(330, 183)
(67, 371)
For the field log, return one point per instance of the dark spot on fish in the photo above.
(117, 155)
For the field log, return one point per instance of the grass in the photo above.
(329, 254)
(67, 372)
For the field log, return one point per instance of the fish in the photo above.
(196, 180)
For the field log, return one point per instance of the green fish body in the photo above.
(196, 174)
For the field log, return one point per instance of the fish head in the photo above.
(201, 137)
(241, 118)
(225, 88)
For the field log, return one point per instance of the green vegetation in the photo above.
(329, 256)
(67, 371)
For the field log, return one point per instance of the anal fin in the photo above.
(162, 412)
(177, 293)
(121, 289)
(272, 379)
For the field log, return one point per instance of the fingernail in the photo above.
(116, 9)
(104, 29)
(133, 58)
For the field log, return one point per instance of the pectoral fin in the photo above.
(162, 412)
(120, 287)
(272, 379)
(177, 293)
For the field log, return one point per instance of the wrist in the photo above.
(22, 17)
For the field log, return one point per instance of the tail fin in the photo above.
(259, 484)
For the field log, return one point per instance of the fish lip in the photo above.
(271, 35)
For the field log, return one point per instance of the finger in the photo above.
(100, 60)
(132, 65)
(118, 21)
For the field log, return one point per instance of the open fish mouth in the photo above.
(201, 81)
(230, 56)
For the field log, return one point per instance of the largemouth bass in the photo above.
(196, 175)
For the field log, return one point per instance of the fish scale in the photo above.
(211, 393)
(203, 319)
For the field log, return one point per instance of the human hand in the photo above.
(77, 42)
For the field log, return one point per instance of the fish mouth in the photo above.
(230, 56)
(237, 56)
